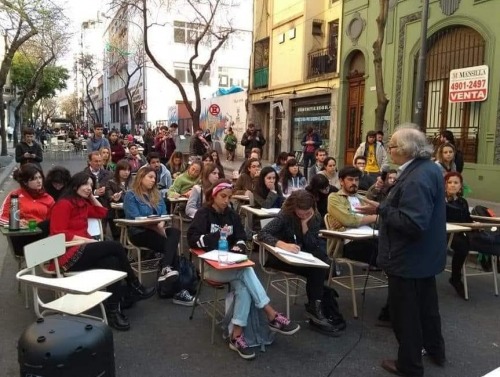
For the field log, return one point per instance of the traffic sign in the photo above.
(214, 109)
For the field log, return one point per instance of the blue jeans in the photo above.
(247, 288)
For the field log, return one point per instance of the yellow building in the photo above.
(294, 72)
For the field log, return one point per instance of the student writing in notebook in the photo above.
(296, 228)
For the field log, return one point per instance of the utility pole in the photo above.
(418, 106)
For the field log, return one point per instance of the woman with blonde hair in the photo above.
(144, 200)
(445, 158)
(209, 175)
(107, 163)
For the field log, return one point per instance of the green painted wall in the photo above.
(402, 42)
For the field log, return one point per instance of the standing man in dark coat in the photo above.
(412, 251)
(28, 150)
(252, 139)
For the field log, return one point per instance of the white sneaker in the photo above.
(166, 273)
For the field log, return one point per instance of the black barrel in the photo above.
(63, 346)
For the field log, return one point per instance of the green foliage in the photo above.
(37, 85)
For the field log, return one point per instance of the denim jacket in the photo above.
(134, 207)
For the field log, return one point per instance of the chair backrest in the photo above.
(264, 222)
(94, 228)
(44, 250)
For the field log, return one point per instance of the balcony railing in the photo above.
(322, 62)
(260, 78)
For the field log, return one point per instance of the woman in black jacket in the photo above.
(296, 228)
(204, 233)
(457, 211)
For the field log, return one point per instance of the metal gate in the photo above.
(452, 48)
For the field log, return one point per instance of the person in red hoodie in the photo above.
(34, 203)
(70, 216)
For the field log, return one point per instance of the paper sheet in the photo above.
(232, 257)
(302, 255)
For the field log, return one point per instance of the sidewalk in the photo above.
(230, 166)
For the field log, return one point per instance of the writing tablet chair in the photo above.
(80, 292)
(290, 285)
(351, 282)
(213, 308)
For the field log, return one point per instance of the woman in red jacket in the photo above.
(34, 204)
(70, 216)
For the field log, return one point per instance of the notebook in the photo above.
(302, 255)
(232, 257)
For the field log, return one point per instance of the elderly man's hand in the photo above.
(369, 207)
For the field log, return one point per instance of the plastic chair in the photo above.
(82, 291)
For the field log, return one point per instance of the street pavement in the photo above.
(164, 342)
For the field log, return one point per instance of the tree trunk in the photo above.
(2, 124)
(382, 100)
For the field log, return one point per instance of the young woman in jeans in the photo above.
(204, 233)
(70, 216)
(144, 200)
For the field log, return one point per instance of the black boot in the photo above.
(316, 313)
(140, 292)
(115, 317)
(128, 299)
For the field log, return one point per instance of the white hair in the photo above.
(412, 142)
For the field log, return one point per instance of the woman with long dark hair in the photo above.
(296, 228)
(116, 147)
(291, 179)
(216, 158)
(267, 192)
(144, 199)
(320, 188)
(204, 232)
(70, 216)
(175, 165)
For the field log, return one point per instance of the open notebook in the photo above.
(302, 255)
(232, 257)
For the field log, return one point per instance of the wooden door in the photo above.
(355, 105)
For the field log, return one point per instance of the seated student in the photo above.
(267, 192)
(56, 181)
(175, 165)
(70, 216)
(342, 208)
(34, 203)
(320, 188)
(320, 154)
(445, 158)
(248, 178)
(255, 154)
(207, 158)
(291, 179)
(184, 183)
(216, 158)
(297, 228)
(107, 163)
(204, 233)
(280, 162)
(329, 170)
(209, 176)
(144, 200)
(135, 159)
(116, 188)
(163, 177)
(365, 179)
(378, 191)
(457, 210)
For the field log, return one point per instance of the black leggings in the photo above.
(166, 246)
(107, 255)
(315, 277)
(461, 247)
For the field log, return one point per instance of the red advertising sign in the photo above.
(214, 109)
(468, 84)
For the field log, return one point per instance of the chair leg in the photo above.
(353, 291)
(494, 261)
(198, 291)
(214, 315)
(287, 298)
(139, 265)
(464, 274)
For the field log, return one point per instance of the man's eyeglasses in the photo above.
(389, 147)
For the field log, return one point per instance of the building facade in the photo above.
(460, 34)
(295, 72)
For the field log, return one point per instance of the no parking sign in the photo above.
(214, 109)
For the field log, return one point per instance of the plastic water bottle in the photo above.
(223, 248)
(14, 213)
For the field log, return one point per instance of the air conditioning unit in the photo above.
(7, 90)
